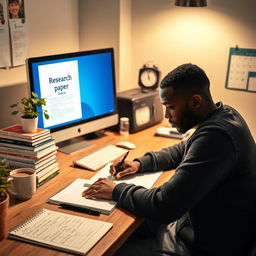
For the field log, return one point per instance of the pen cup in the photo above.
(124, 126)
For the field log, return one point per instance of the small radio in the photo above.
(143, 109)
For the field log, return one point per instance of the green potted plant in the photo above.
(4, 197)
(28, 108)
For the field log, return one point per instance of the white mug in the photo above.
(23, 183)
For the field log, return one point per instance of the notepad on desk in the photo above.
(169, 133)
(72, 194)
(65, 232)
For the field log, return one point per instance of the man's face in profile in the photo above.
(177, 109)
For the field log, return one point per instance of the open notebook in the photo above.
(72, 194)
(61, 231)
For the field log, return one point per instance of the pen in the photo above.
(118, 167)
(79, 209)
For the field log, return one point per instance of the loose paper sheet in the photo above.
(18, 32)
(5, 54)
(19, 41)
(146, 180)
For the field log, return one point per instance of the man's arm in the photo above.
(169, 158)
(165, 159)
(209, 160)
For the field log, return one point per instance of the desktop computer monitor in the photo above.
(80, 93)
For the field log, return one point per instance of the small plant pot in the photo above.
(3, 217)
(29, 124)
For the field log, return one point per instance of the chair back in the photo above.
(253, 250)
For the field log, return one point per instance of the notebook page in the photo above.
(72, 194)
(62, 231)
(146, 180)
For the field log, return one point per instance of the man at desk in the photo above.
(208, 207)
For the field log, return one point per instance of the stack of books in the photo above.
(35, 150)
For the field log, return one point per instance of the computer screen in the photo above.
(79, 89)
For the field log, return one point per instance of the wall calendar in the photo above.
(241, 73)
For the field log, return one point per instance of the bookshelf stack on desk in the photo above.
(35, 150)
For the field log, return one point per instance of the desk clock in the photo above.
(149, 77)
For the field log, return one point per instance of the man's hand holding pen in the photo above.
(127, 168)
(103, 188)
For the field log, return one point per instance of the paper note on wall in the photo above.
(5, 54)
(19, 41)
(18, 32)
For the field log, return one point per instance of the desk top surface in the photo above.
(124, 222)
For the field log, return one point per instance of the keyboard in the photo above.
(99, 158)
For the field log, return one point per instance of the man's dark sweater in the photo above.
(212, 194)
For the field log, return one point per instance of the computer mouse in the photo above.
(126, 144)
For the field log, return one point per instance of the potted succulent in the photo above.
(4, 197)
(29, 111)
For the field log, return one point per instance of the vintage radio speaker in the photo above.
(143, 109)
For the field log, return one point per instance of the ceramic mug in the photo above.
(23, 183)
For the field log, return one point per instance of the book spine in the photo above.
(18, 155)
(48, 175)
(35, 157)
(15, 146)
(41, 138)
(46, 147)
(37, 166)
(18, 142)
(28, 152)
(40, 166)
(27, 148)
(17, 159)
(47, 179)
(15, 165)
(48, 156)
(17, 135)
(17, 150)
(48, 168)
(24, 143)
(17, 130)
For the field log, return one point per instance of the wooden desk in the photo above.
(125, 223)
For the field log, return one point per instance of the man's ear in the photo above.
(195, 101)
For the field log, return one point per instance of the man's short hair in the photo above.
(187, 77)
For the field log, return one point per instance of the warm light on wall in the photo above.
(191, 3)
